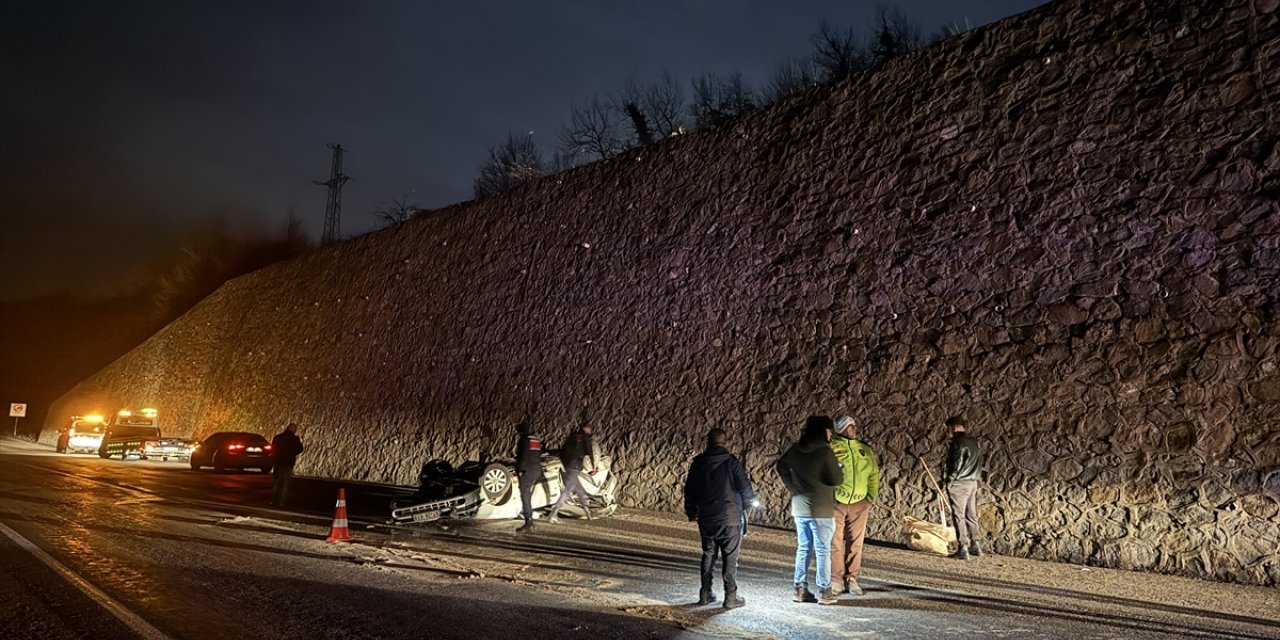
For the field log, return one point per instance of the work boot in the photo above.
(732, 601)
(555, 517)
(852, 587)
(527, 528)
(961, 554)
(827, 596)
(803, 594)
(705, 596)
(974, 549)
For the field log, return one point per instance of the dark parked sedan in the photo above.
(233, 450)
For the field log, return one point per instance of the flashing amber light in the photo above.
(125, 412)
(150, 413)
(93, 417)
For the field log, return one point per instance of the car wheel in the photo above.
(265, 469)
(495, 481)
(195, 464)
(102, 453)
(217, 464)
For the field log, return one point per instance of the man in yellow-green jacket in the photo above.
(858, 489)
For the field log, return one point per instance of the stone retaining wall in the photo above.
(1063, 227)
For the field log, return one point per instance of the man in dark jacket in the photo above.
(529, 468)
(285, 447)
(964, 466)
(714, 494)
(575, 449)
(811, 473)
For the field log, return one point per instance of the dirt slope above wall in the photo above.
(1063, 227)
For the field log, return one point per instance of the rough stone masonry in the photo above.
(1063, 227)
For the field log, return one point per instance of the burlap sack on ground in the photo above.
(929, 537)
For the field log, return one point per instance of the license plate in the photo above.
(426, 517)
(254, 449)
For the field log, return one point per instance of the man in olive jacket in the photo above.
(858, 488)
(810, 471)
(964, 466)
(715, 493)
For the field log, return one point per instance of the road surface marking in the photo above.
(133, 620)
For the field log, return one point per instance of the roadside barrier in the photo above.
(340, 531)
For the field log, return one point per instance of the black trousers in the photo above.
(527, 482)
(724, 540)
(281, 474)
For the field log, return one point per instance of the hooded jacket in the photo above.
(964, 459)
(716, 488)
(810, 471)
(860, 473)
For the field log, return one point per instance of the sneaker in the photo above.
(961, 554)
(827, 596)
(975, 550)
(732, 601)
(852, 587)
(705, 597)
(844, 588)
(527, 528)
(803, 594)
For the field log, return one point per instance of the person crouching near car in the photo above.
(285, 447)
(714, 494)
(529, 468)
(577, 447)
(859, 486)
(811, 473)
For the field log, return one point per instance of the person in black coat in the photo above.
(715, 493)
(529, 468)
(285, 447)
(577, 448)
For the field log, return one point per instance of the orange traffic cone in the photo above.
(340, 532)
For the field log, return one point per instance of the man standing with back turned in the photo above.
(857, 490)
(964, 465)
(285, 446)
(715, 492)
(811, 473)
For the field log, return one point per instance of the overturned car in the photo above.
(491, 491)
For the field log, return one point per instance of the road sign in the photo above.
(17, 409)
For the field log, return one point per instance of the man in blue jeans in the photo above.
(811, 473)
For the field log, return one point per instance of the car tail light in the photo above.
(266, 447)
(235, 447)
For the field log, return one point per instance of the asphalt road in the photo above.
(95, 548)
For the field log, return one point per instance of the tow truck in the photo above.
(83, 435)
(130, 433)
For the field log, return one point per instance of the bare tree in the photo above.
(894, 35)
(790, 78)
(720, 100)
(837, 54)
(653, 111)
(592, 129)
(509, 165)
(950, 29)
(398, 210)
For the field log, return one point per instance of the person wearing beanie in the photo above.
(859, 486)
(715, 492)
(964, 466)
(577, 448)
(810, 471)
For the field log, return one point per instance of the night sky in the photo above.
(128, 125)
